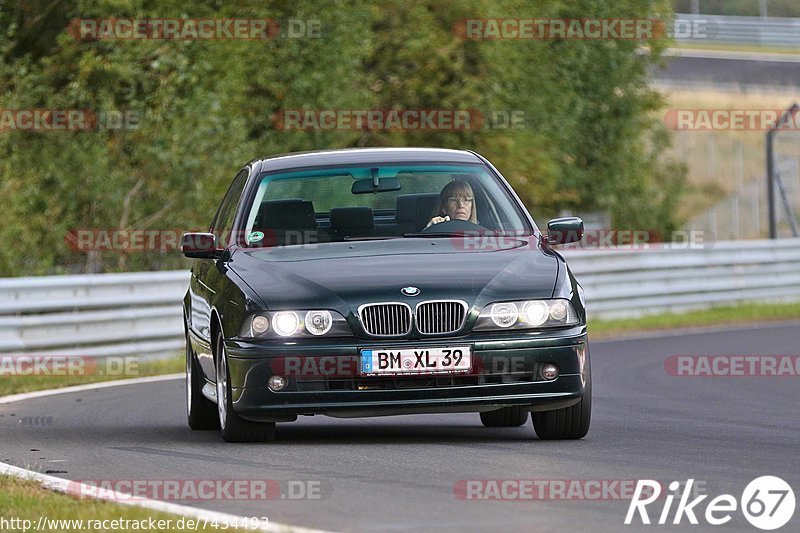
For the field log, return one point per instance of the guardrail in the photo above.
(93, 315)
(623, 283)
(769, 31)
(140, 314)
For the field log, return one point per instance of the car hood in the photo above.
(342, 276)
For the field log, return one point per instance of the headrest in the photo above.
(406, 210)
(286, 214)
(351, 218)
(415, 208)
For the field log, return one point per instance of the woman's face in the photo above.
(459, 205)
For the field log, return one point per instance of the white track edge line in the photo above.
(86, 387)
(70, 487)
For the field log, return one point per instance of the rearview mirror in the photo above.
(564, 230)
(367, 185)
(200, 246)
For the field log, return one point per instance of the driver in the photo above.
(455, 202)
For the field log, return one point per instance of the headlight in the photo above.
(295, 324)
(504, 315)
(559, 311)
(535, 313)
(318, 322)
(260, 324)
(286, 323)
(527, 314)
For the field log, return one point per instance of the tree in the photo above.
(590, 138)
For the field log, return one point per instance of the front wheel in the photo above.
(235, 428)
(567, 423)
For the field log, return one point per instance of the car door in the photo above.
(208, 275)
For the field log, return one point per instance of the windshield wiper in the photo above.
(436, 234)
(371, 238)
(465, 234)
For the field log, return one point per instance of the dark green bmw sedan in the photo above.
(372, 282)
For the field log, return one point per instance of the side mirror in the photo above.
(200, 246)
(564, 230)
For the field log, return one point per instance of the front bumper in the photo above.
(505, 373)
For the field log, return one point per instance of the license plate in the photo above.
(437, 360)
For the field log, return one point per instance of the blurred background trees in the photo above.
(591, 140)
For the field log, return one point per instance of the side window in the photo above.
(223, 223)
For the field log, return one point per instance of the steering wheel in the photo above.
(453, 226)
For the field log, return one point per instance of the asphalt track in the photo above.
(756, 70)
(399, 473)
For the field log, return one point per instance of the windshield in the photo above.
(377, 201)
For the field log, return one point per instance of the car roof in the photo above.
(366, 155)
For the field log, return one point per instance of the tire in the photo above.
(507, 417)
(235, 428)
(567, 423)
(201, 412)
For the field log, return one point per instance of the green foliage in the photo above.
(591, 139)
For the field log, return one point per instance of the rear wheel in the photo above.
(235, 428)
(507, 417)
(201, 412)
(567, 423)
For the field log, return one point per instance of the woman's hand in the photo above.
(437, 220)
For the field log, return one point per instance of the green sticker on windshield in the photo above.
(255, 236)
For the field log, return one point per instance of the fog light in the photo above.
(549, 371)
(276, 383)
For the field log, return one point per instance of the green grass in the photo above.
(738, 48)
(18, 384)
(717, 316)
(28, 500)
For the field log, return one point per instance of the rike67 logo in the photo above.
(767, 503)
